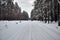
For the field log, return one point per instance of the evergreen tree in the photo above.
(25, 15)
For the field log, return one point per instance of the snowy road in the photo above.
(28, 30)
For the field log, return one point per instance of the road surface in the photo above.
(28, 30)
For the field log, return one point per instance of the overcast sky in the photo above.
(25, 5)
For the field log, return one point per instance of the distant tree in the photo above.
(25, 15)
(17, 11)
(0, 9)
(58, 12)
(10, 7)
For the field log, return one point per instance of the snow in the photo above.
(29, 30)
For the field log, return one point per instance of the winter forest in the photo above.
(44, 10)
(11, 11)
(29, 19)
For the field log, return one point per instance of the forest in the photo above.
(44, 10)
(11, 11)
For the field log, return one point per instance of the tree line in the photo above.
(46, 10)
(11, 11)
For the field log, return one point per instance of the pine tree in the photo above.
(58, 13)
(25, 15)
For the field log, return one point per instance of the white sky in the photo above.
(25, 5)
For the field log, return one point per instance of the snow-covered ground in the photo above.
(29, 30)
